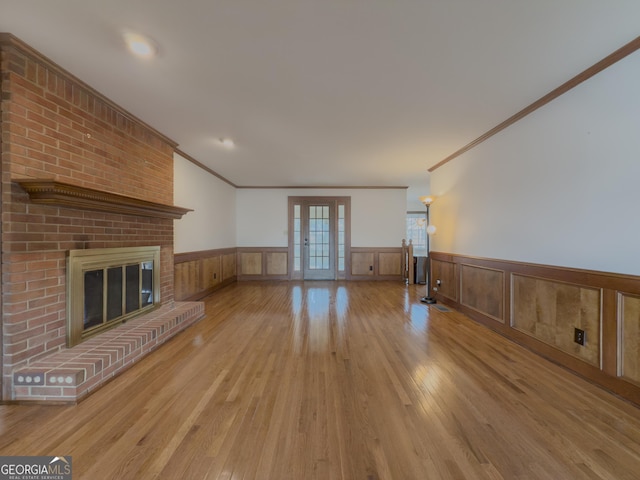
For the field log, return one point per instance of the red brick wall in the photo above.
(56, 127)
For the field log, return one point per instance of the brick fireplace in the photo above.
(58, 129)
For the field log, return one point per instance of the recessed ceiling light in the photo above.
(140, 45)
(226, 142)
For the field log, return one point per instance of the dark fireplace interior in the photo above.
(128, 288)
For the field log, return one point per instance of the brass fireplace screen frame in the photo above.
(106, 260)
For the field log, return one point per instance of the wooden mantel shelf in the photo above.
(51, 192)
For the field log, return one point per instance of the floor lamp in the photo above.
(427, 201)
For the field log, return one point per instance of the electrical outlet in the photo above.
(215, 275)
(371, 268)
(579, 336)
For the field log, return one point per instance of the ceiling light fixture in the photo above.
(140, 45)
(227, 143)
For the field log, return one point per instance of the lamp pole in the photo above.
(428, 299)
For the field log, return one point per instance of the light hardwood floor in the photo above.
(332, 380)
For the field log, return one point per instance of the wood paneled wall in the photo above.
(197, 274)
(540, 306)
(482, 289)
(263, 263)
(271, 263)
(551, 310)
(376, 263)
(629, 338)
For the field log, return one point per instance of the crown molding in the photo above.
(606, 62)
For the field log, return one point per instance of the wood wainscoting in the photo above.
(376, 263)
(263, 263)
(367, 263)
(197, 274)
(540, 306)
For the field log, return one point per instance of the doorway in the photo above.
(319, 237)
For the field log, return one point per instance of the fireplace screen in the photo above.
(109, 286)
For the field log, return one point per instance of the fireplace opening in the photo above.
(109, 286)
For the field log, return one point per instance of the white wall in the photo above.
(212, 224)
(377, 215)
(560, 187)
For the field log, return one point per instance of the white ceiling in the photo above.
(325, 92)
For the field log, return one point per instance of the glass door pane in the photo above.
(132, 288)
(114, 293)
(93, 298)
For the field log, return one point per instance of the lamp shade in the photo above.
(427, 200)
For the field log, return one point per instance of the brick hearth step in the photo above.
(72, 373)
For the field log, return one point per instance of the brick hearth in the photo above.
(70, 374)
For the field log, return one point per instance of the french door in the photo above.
(319, 245)
(318, 237)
